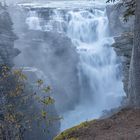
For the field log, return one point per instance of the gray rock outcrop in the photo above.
(7, 54)
(123, 37)
(7, 38)
(123, 47)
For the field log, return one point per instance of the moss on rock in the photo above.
(68, 134)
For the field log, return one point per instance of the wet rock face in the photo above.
(123, 32)
(7, 38)
(123, 47)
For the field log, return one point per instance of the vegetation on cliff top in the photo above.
(67, 133)
(18, 107)
(123, 125)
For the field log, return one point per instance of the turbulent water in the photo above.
(99, 81)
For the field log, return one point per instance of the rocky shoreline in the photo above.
(124, 125)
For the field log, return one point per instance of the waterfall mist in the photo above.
(67, 44)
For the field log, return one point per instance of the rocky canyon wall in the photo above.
(7, 38)
(123, 37)
(7, 54)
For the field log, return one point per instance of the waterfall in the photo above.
(101, 86)
(99, 74)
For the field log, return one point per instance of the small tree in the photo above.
(18, 109)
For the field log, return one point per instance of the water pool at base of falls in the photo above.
(85, 23)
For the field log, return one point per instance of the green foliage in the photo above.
(48, 101)
(19, 75)
(47, 89)
(44, 114)
(18, 110)
(39, 82)
(68, 134)
(130, 7)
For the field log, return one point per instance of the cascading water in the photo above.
(86, 24)
(98, 66)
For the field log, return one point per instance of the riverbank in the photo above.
(124, 125)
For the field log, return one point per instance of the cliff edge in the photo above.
(124, 125)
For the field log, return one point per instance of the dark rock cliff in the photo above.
(123, 47)
(7, 54)
(7, 38)
(123, 37)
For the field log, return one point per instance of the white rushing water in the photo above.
(98, 63)
(86, 24)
